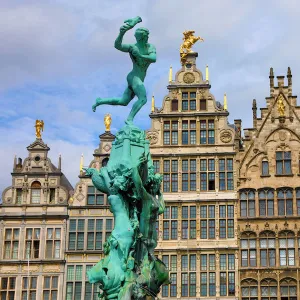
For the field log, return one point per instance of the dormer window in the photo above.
(36, 192)
(188, 101)
(283, 163)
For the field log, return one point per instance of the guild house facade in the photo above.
(230, 229)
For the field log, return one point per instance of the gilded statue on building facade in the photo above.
(188, 41)
(107, 122)
(280, 106)
(39, 127)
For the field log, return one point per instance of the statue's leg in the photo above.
(140, 91)
(128, 95)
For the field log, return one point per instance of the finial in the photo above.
(170, 74)
(271, 72)
(271, 78)
(15, 161)
(107, 122)
(289, 76)
(59, 161)
(39, 127)
(225, 102)
(81, 163)
(153, 103)
(206, 73)
(188, 41)
(289, 72)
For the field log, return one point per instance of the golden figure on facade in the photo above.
(280, 106)
(188, 41)
(107, 122)
(39, 127)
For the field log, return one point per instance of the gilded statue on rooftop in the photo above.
(107, 122)
(280, 106)
(39, 127)
(188, 41)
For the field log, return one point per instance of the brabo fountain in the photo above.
(129, 269)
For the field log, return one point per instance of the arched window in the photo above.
(174, 105)
(265, 167)
(285, 202)
(287, 248)
(247, 203)
(249, 289)
(268, 289)
(267, 249)
(266, 202)
(288, 289)
(248, 249)
(36, 192)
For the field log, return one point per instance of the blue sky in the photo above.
(58, 56)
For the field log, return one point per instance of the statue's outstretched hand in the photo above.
(125, 28)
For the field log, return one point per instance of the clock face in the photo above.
(188, 77)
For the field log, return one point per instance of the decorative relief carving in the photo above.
(189, 77)
(106, 147)
(226, 136)
(80, 197)
(152, 136)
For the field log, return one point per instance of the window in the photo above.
(76, 235)
(227, 275)
(170, 217)
(32, 243)
(7, 288)
(94, 197)
(36, 192)
(207, 222)
(53, 243)
(188, 101)
(50, 288)
(248, 250)
(298, 201)
(171, 263)
(188, 132)
(188, 277)
(268, 289)
(266, 202)
(265, 167)
(285, 202)
(267, 249)
(94, 234)
(188, 227)
(225, 174)
(29, 288)
(170, 176)
(11, 243)
(19, 196)
(109, 228)
(74, 282)
(207, 174)
(174, 105)
(90, 292)
(208, 278)
(249, 289)
(286, 249)
(203, 104)
(188, 175)
(156, 165)
(207, 132)
(171, 132)
(283, 163)
(226, 221)
(247, 203)
(288, 289)
(52, 196)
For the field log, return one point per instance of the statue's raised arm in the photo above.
(142, 55)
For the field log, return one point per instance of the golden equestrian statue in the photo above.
(107, 122)
(39, 126)
(188, 41)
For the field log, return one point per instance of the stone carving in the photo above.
(226, 136)
(189, 77)
(152, 136)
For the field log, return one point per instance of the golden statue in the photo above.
(39, 126)
(280, 106)
(107, 122)
(188, 41)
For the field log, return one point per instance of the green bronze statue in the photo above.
(142, 55)
(129, 269)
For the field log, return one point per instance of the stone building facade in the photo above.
(33, 220)
(194, 148)
(269, 198)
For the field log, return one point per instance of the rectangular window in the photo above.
(207, 222)
(53, 241)
(170, 169)
(94, 234)
(76, 234)
(226, 174)
(94, 197)
(19, 196)
(207, 131)
(74, 282)
(50, 288)
(156, 165)
(7, 288)
(35, 196)
(29, 288)
(32, 243)
(202, 104)
(11, 243)
(283, 163)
